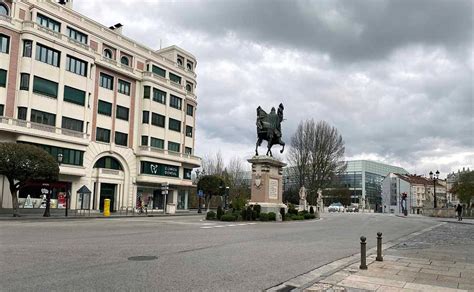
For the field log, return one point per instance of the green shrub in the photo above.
(302, 212)
(311, 210)
(282, 213)
(238, 203)
(254, 215)
(243, 214)
(228, 217)
(292, 210)
(264, 217)
(249, 213)
(297, 217)
(271, 216)
(220, 212)
(309, 216)
(237, 216)
(257, 208)
(211, 215)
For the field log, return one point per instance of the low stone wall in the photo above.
(447, 212)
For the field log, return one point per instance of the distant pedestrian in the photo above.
(459, 210)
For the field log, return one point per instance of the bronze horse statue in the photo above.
(269, 128)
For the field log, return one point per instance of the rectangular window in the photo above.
(105, 108)
(121, 138)
(48, 22)
(175, 101)
(146, 117)
(146, 92)
(172, 146)
(45, 87)
(43, 118)
(77, 35)
(74, 95)
(47, 55)
(124, 87)
(189, 131)
(175, 78)
(174, 125)
(24, 81)
(157, 143)
(106, 81)
(158, 120)
(72, 124)
(76, 66)
(4, 43)
(103, 135)
(144, 140)
(22, 113)
(70, 156)
(159, 96)
(1, 110)
(122, 113)
(189, 110)
(27, 48)
(3, 78)
(158, 71)
(188, 150)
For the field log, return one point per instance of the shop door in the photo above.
(157, 199)
(107, 191)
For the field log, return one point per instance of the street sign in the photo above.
(200, 193)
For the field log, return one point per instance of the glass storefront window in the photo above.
(181, 200)
(33, 195)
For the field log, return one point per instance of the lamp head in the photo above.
(60, 158)
(431, 174)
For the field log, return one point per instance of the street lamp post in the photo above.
(434, 177)
(60, 160)
(226, 202)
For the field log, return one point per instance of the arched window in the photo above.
(180, 62)
(108, 53)
(124, 60)
(108, 162)
(3, 9)
(189, 66)
(189, 87)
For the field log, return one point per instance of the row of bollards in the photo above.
(363, 251)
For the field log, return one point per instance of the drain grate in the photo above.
(143, 258)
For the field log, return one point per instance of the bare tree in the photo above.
(316, 155)
(213, 164)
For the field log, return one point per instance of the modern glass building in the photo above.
(362, 177)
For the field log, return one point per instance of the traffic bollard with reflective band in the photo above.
(363, 264)
(106, 207)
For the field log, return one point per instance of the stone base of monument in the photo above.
(267, 184)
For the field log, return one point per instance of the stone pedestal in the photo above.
(267, 183)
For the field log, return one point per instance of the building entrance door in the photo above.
(158, 199)
(107, 191)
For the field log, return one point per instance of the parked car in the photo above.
(353, 208)
(336, 207)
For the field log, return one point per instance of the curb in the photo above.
(306, 280)
(41, 218)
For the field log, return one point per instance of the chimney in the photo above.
(66, 3)
(117, 28)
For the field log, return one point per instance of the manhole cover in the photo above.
(142, 258)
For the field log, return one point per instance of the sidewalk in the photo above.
(438, 258)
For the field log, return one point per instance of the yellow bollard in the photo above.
(106, 207)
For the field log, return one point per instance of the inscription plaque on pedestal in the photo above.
(273, 189)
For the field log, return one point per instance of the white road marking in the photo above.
(229, 225)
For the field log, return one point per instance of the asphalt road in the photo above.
(191, 254)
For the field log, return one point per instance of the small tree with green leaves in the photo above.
(21, 163)
(211, 186)
(464, 187)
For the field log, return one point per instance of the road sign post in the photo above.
(200, 195)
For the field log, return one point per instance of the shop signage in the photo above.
(159, 169)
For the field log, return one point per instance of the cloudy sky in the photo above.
(394, 77)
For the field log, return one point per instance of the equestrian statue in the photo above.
(269, 128)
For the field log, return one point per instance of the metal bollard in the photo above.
(363, 264)
(379, 257)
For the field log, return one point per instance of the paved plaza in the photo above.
(181, 253)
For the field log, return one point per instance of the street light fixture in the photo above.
(434, 177)
(66, 197)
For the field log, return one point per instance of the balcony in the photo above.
(164, 80)
(6, 18)
(28, 127)
(82, 45)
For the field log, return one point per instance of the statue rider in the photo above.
(273, 120)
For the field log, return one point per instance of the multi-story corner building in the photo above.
(419, 193)
(362, 177)
(120, 115)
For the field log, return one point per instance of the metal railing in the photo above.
(43, 127)
(168, 152)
